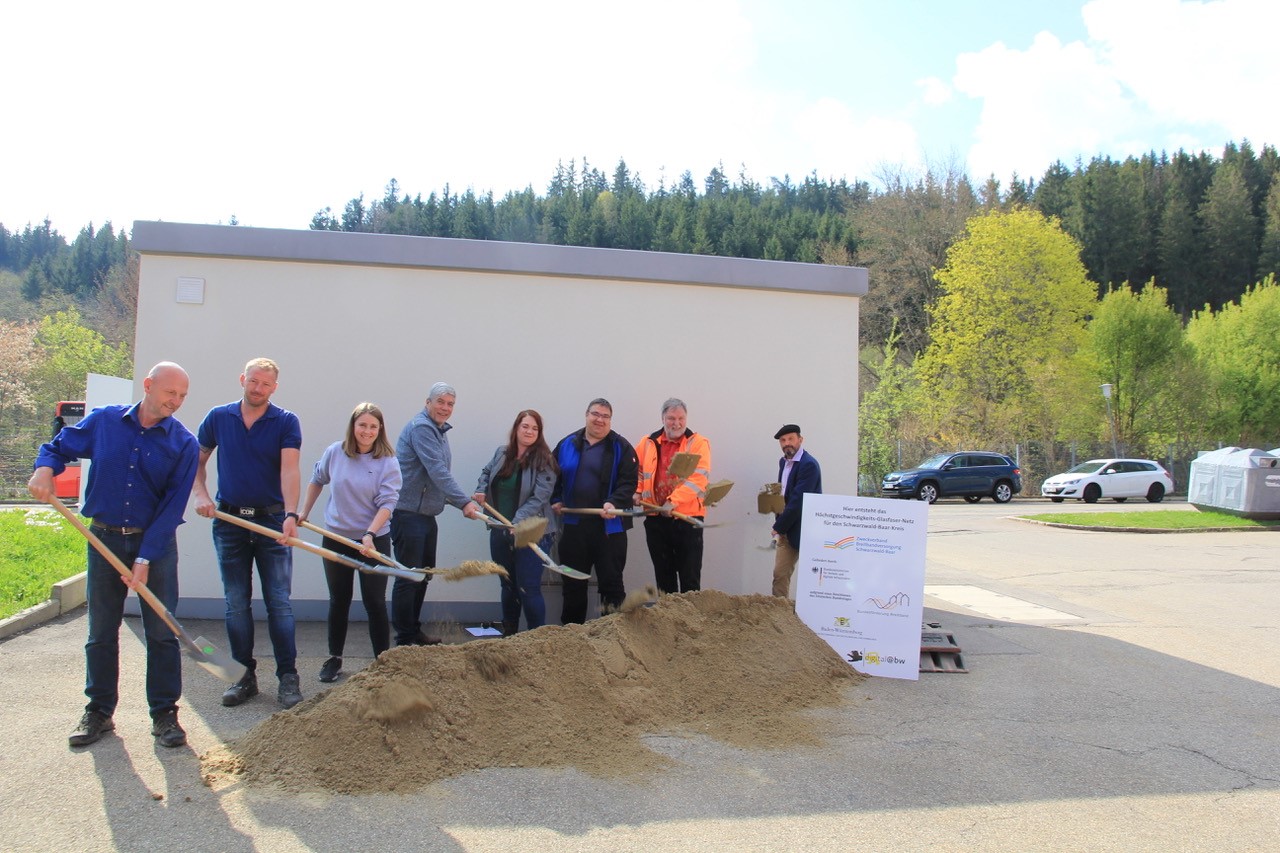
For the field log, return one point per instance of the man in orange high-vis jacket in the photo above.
(675, 545)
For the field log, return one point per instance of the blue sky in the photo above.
(271, 111)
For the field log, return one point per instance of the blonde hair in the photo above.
(262, 364)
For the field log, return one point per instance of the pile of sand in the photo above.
(736, 668)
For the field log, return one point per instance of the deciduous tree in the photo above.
(1014, 300)
(1240, 351)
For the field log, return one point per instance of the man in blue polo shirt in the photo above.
(259, 446)
(144, 462)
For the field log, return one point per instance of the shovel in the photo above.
(394, 571)
(716, 492)
(696, 522)
(542, 555)
(596, 510)
(469, 569)
(199, 650)
(377, 555)
(526, 532)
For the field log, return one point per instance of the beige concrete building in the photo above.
(747, 344)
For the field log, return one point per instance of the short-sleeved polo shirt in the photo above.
(249, 459)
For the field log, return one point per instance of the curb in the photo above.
(64, 596)
(1104, 529)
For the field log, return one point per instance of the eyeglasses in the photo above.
(600, 416)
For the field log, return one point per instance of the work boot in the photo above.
(93, 725)
(242, 690)
(290, 692)
(165, 727)
(510, 628)
(329, 672)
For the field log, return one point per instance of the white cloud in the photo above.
(839, 143)
(1155, 74)
(934, 91)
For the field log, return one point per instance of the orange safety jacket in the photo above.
(687, 496)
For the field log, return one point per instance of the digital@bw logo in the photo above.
(873, 658)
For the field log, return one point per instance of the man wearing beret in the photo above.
(799, 474)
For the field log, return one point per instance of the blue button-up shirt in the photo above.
(249, 459)
(140, 476)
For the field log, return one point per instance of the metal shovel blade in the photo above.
(223, 666)
(567, 572)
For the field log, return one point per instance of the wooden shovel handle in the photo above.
(377, 555)
(145, 594)
(302, 543)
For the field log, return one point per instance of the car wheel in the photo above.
(1155, 494)
(973, 499)
(1119, 500)
(1057, 500)
(1003, 493)
(1092, 493)
(927, 492)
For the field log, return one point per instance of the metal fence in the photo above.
(18, 447)
(1041, 460)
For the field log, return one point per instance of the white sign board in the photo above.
(860, 579)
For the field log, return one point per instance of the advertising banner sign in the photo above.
(860, 579)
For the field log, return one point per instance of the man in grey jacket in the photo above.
(428, 484)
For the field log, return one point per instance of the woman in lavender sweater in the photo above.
(365, 477)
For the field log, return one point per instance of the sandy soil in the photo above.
(740, 669)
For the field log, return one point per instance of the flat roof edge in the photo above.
(281, 244)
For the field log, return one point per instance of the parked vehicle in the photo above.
(1118, 479)
(970, 474)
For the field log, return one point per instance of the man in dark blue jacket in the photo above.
(799, 474)
(598, 468)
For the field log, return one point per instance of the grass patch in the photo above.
(1161, 519)
(38, 548)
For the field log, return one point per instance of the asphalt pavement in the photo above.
(1123, 693)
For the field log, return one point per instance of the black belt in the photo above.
(250, 511)
(111, 528)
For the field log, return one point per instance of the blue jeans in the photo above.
(238, 549)
(413, 535)
(522, 590)
(106, 593)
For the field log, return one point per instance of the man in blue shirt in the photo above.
(144, 463)
(258, 479)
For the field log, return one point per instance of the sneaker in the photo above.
(242, 690)
(329, 672)
(166, 728)
(93, 725)
(290, 693)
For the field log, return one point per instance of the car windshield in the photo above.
(1093, 466)
(935, 461)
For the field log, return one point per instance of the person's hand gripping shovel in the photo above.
(200, 650)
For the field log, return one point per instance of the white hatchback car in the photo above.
(1118, 479)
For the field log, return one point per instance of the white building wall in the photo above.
(745, 359)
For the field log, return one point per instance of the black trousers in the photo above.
(675, 547)
(373, 592)
(585, 546)
(414, 537)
